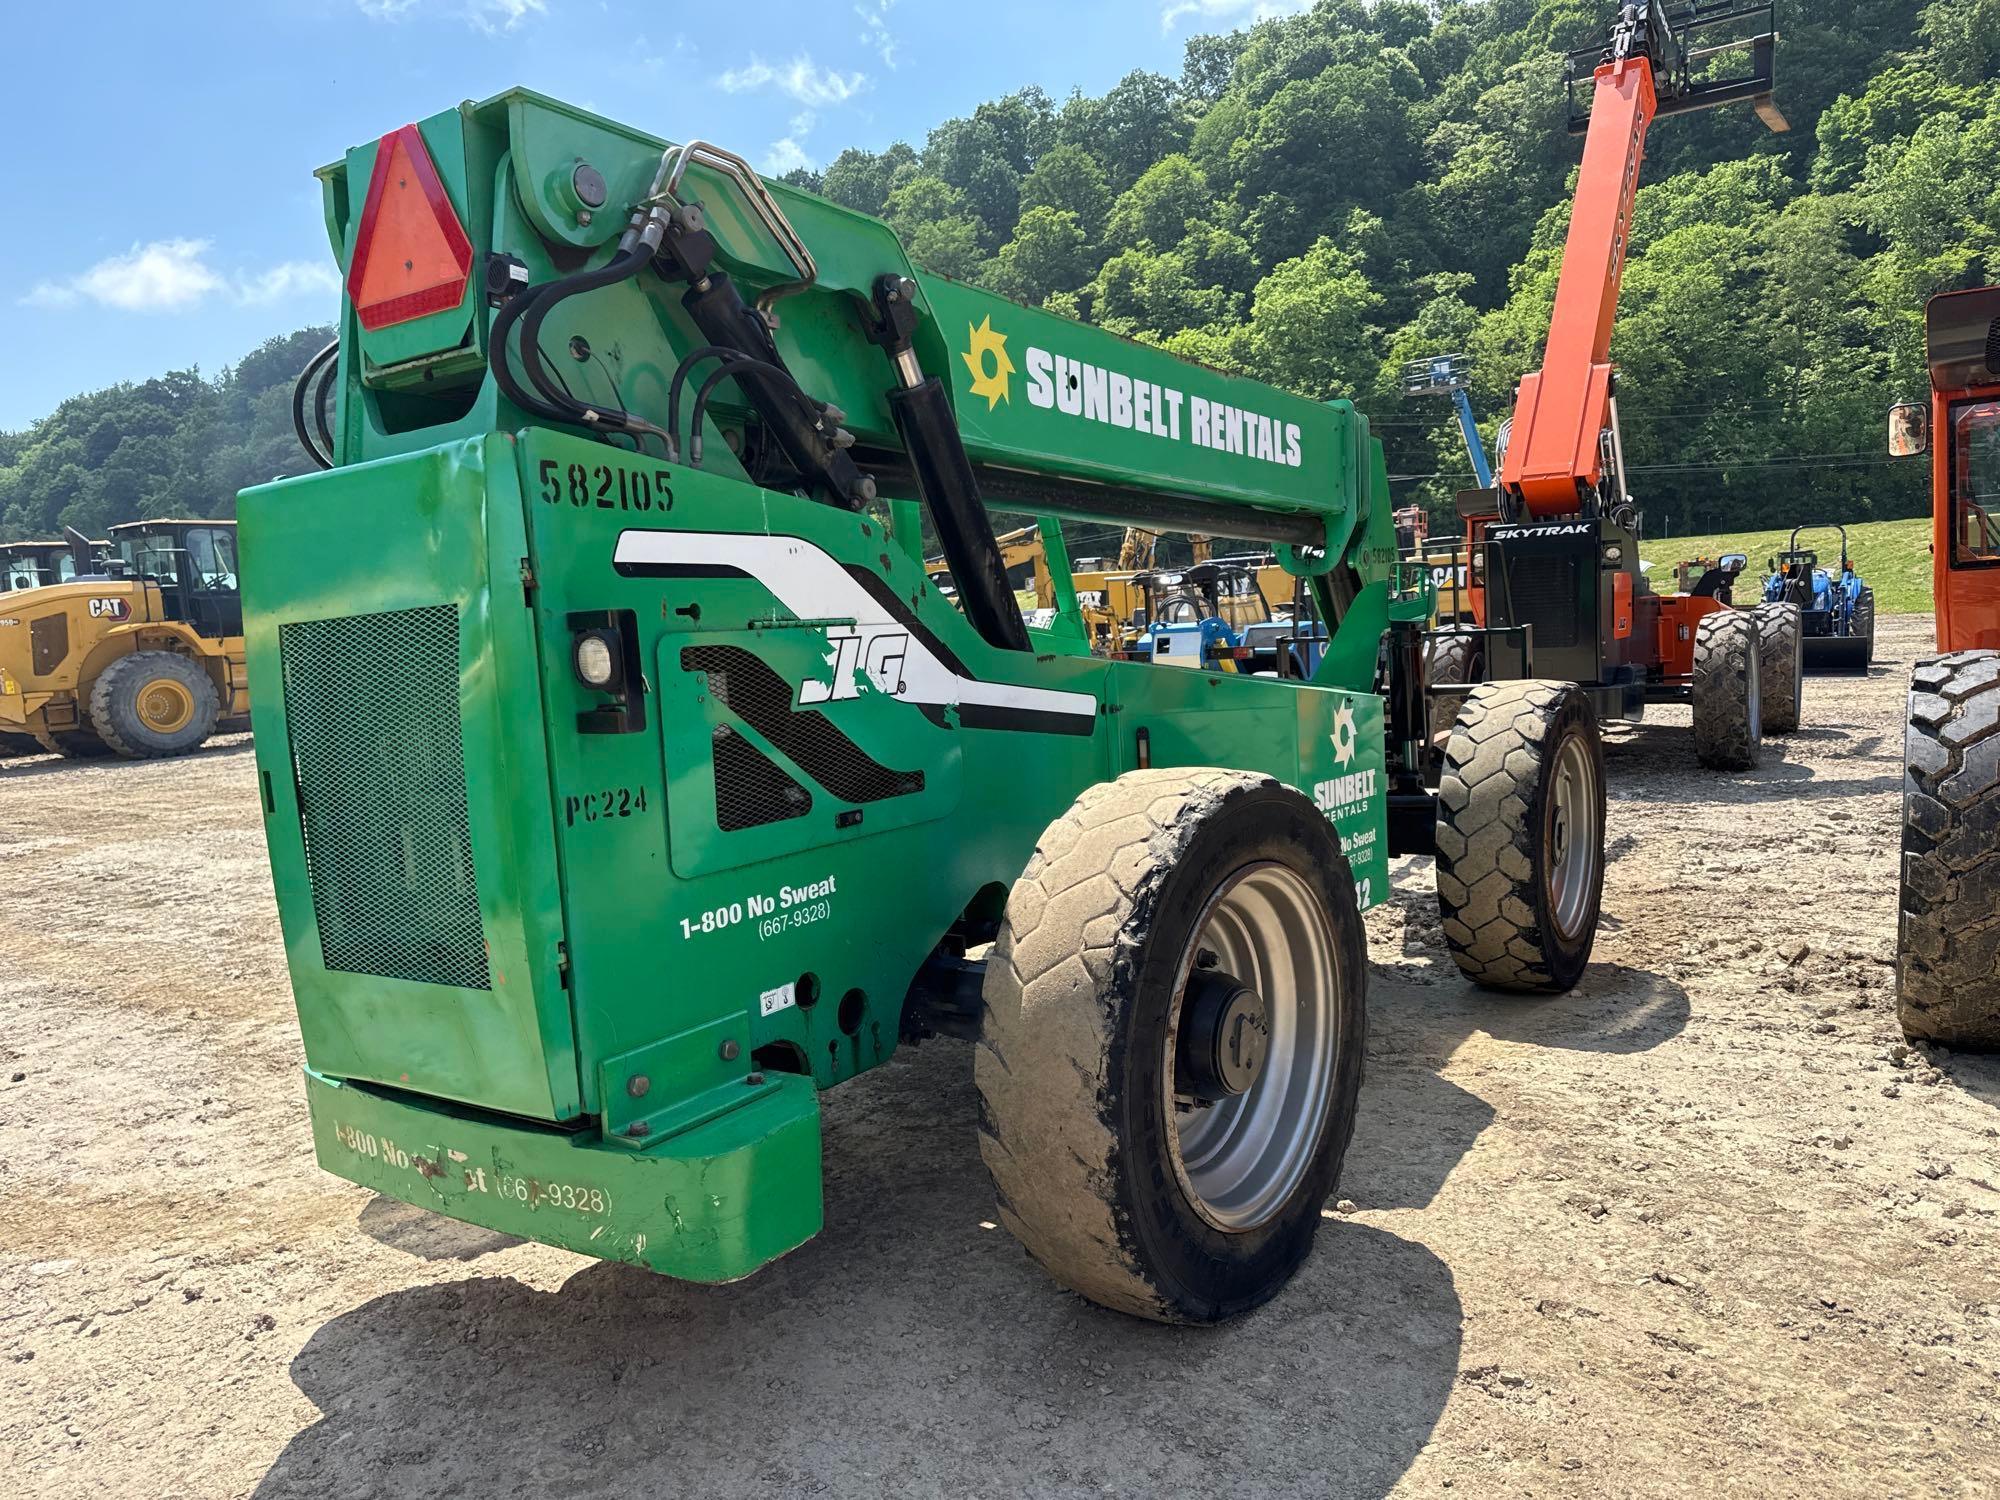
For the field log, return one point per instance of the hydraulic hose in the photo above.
(681, 372)
(734, 368)
(529, 308)
(322, 457)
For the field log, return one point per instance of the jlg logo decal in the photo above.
(880, 654)
(110, 609)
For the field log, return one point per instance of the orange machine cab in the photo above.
(1962, 347)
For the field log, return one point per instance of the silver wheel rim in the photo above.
(1574, 842)
(1240, 1159)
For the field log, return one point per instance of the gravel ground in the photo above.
(1702, 1225)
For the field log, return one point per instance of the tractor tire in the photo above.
(1449, 657)
(152, 704)
(1137, 1149)
(1864, 626)
(1728, 692)
(19, 744)
(1520, 836)
(1781, 666)
(72, 744)
(1948, 930)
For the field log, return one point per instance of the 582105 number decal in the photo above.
(605, 486)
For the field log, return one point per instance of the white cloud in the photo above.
(288, 279)
(175, 276)
(503, 15)
(801, 78)
(875, 29)
(790, 153)
(487, 15)
(1226, 13)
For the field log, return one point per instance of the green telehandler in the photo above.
(627, 781)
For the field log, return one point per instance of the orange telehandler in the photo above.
(1948, 949)
(1555, 542)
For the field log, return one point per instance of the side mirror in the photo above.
(1734, 562)
(1909, 429)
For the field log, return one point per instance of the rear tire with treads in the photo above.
(1864, 625)
(1780, 665)
(1123, 1189)
(1728, 707)
(1948, 929)
(1520, 836)
(152, 704)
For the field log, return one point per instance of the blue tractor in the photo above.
(1836, 608)
(1195, 616)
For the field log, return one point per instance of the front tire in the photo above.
(1728, 692)
(1780, 666)
(1520, 836)
(1160, 1143)
(1451, 657)
(152, 704)
(1948, 929)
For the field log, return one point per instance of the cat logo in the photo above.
(110, 609)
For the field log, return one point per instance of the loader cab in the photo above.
(194, 565)
(33, 565)
(1960, 427)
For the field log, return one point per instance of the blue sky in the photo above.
(161, 208)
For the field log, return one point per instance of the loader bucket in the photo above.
(1836, 653)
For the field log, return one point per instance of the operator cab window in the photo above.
(212, 553)
(1975, 483)
(154, 557)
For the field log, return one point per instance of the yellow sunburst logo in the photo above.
(986, 357)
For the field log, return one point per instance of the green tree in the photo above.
(1070, 179)
(1157, 209)
(1048, 253)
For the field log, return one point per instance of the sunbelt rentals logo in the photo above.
(986, 356)
(1098, 393)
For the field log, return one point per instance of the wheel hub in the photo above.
(1225, 1037)
(165, 706)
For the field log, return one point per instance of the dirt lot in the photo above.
(1702, 1225)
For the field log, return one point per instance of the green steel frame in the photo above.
(547, 981)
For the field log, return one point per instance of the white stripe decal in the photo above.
(814, 586)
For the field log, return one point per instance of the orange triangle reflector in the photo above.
(411, 256)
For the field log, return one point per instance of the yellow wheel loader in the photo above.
(141, 659)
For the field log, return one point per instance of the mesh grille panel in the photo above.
(372, 707)
(750, 789)
(1543, 593)
(746, 686)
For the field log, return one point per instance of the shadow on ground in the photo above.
(1653, 762)
(912, 1347)
(1415, 1125)
(428, 1236)
(51, 765)
(1978, 1075)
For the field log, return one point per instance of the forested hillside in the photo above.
(176, 445)
(1320, 197)
(1323, 196)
